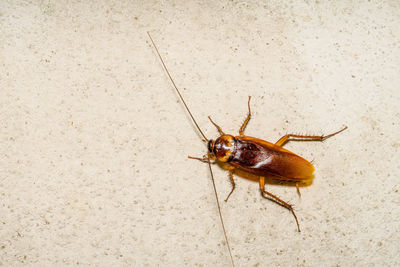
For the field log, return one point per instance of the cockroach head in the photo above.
(224, 147)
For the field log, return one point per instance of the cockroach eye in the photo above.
(210, 146)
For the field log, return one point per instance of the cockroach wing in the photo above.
(263, 158)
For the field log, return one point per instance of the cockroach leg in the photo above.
(204, 159)
(232, 181)
(277, 200)
(298, 189)
(295, 137)
(246, 121)
(335, 133)
(218, 128)
(197, 158)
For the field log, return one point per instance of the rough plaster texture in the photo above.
(94, 142)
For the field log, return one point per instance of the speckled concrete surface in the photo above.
(94, 141)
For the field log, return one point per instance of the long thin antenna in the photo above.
(208, 157)
(219, 211)
(176, 88)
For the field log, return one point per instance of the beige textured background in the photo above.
(94, 142)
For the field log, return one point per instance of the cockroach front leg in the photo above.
(277, 200)
(295, 137)
(230, 170)
(246, 121)
(205, 158)
(217, 126)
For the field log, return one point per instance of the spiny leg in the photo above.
(218, 128)
(246, 121)
(295, 137)
(232, 181)
(277, 200)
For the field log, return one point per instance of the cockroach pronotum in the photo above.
(254, 156)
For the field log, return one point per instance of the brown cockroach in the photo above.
(254, 156)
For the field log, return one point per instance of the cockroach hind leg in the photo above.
(297, 137)
(335, 133)
(277, 200)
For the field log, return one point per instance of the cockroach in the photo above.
(254, 156)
